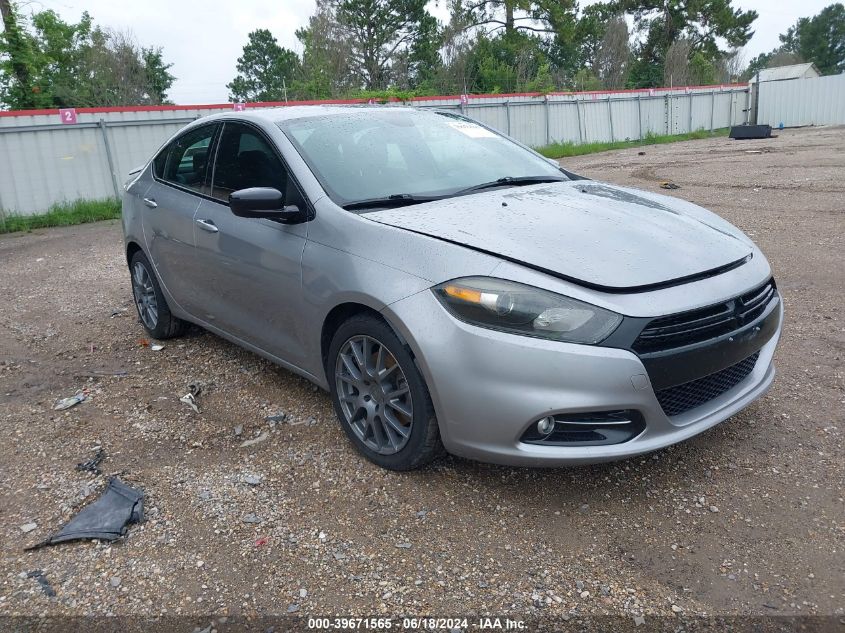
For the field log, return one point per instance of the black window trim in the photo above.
(214, 146)
(212, 149)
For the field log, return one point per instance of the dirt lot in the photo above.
(747, 518)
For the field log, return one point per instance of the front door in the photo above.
(252, 286)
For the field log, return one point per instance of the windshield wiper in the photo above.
(509, 181)
(395, 200)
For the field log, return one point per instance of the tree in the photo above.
(264, 69)
(15, 71)
(325, 67)
(157, 74)
(377, 33)
(613, 58)
(535, 16)
(660, 23)
(76, 65)
(820, 39)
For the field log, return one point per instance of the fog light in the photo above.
(546, 425)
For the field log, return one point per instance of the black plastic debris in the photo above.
(92, 465)
(741, 132)
(108, 518)
(46, 587)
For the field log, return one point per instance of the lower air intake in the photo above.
(682, 398)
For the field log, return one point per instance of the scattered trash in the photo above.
(92, 465)
(639, 620)
(640, 153)
(403, 545)
(256, 440)
(238, 430)
(669, 185)
(118, 312)
(46, 587)
(195, 388)
(261, 541)
(107, 518)
(276, 418)
(26, 528)
(72, 401)
(251, 518)
(143, 342)
(252, 480)
(157, 347)
(189, 399)
(753, 151)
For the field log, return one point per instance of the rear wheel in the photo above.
(152, 308)
(380, 396)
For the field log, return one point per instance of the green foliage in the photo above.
(702, 70)
(562, 150)
(585, 80)
(50, 63)
(264, 69)
(62, 214)
(820, 39)
(378, 32)
(660, 23)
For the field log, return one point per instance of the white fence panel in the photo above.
(805, 101)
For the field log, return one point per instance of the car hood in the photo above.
(598, 235)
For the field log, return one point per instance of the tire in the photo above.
(146, 292)
(372, 419)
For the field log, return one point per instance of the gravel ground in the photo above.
(747, 518)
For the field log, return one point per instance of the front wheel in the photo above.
(380, 396)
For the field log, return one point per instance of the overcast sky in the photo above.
(204, 38)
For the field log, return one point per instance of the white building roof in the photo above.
(793, 71)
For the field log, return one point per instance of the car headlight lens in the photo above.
(512, 307)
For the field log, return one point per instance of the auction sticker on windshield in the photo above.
(471, 129)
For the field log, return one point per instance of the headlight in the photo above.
(512, 307)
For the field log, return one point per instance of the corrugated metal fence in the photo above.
(44, 161)
(805, 101)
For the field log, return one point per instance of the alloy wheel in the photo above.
(374, 394)
(145, 296)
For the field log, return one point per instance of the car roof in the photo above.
(287, 113)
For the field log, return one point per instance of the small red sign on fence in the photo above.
(238, 107)
(67, 115)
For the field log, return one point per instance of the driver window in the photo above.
(245, 159)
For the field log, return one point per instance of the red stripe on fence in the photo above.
(267, 104)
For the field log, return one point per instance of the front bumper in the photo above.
(488, 387)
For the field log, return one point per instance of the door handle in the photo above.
(208, 225)
(152, 204)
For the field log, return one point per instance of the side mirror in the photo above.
(264, 202)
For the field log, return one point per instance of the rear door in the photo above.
(251, 284)
(181, 175)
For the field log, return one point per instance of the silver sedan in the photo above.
(451, 288)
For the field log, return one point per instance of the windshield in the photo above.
(373, 154)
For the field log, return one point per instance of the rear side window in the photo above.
(185, 161)
(245, 159)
